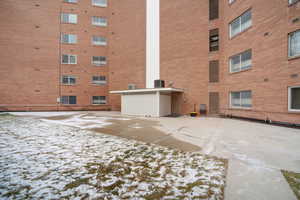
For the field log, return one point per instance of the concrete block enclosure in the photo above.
(157, 102)
(186, 43)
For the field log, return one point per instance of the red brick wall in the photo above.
(30, 68)
(127, 50)
(271, 70)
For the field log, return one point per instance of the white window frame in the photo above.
(68, 97)
(290, 99)
(69, 59)
(103, 3)
(240, 67)
(99, 43)
(69, 81)
(69, 40)
(240, 107)
(102, 24)
(72, 18)
(99, 82)
(71, 1)
(292, 1)
(289, 45)
(240, 24)
(101, 102)
(99, 63)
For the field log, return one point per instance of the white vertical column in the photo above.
(152, 42)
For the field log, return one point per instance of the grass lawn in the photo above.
(42, 160)
(294, 181)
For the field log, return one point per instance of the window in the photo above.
(241, 99)
(294, 98)
(294, 44)
(214, 40)
(101, 3)
(71, 1)
(68, 100)
(214, 71)
(68, 80)
(99, 60)
(69, 18)
(293, 1)
(68, 38)
(240, 62)
(99, 100)
(240, 24)
(99, 41)
(99, 21)
(69, 59)
(231, 1)
(213, 9)
(99, 80)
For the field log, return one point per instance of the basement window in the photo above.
(69, 59)
(242, 99)
(68, 80)
(214, 40)
(68, 100)
(99, 21)
(99, 60)
(68, 38)
(241, 62)
(100, 3)
(240, 24)
(294, 98)
(294, 44)
(68, 18)
(99, 41)
(99, 100)
(99, 80)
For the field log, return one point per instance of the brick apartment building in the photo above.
(236, 57)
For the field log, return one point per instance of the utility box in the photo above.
(159, 84)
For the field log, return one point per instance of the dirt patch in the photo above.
(145, 131)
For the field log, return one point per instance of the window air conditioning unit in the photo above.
(131, 87)
(159, 84)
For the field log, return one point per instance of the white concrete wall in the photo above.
(164, 105)
(140, 104)
(152, 42)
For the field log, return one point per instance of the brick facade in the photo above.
(30, 49)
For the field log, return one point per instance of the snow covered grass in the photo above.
(43, 160)
(294, 181)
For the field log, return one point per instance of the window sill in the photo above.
(99, 104)
(292, 4)
(68, 43)
(294, 111)
(68, 104)
(246, 30)
(99, 6)
(293, 57)
(240, 108)
(68, 23)
(245, 70)
(68, 84)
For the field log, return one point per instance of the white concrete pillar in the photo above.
(152, 42)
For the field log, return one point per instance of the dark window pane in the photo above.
(295, 95)
(213, 9)
(214, 71)
(72, 99)
(65, 100)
